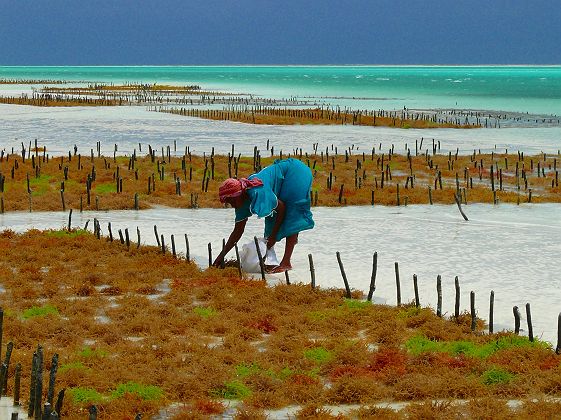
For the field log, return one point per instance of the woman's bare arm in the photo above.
(235, 236)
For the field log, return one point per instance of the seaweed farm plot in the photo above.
(502, 248)
(137, 331)
(32, 180)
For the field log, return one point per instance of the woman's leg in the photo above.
(285, 264)
(291, 242)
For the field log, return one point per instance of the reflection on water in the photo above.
(513, 250)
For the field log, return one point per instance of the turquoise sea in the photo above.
(532, 89)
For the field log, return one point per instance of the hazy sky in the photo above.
(77, 32)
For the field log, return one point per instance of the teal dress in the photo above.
(290, 181)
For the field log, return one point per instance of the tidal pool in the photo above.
(512, 250)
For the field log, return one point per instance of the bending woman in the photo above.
(281, 194)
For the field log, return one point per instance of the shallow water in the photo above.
(59, 129)
(513, 250)
(513, 88)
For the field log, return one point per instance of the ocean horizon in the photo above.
(534, 89)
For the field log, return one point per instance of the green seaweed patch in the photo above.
(420, 344)
(314, 372)
(89, 353)
(284, 373)
(233, 390)
(351, 305)
(356, 305)
(245, 370)
(145, 392)
(408, 312)
(496, 376)
(205, 312)
(105, 188)
(319, 315)
(318, 355)
(81, 395)
(37, 311)
(73, 366)
(40, 186)
(64, 233)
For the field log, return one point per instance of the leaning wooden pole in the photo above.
(460, 207)
(261, 263)
(372, 288)
(347, 288)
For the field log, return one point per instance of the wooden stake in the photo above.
(347, 288)
(52, 379)
(491, 310)
(187, 256)
(127, 239)
(173, 247)
(472, 307)
(439, 296)
(460, 207)
(416, 290)
(239, 264)
(261, 263)
(59, 401)
(397, 284)
(62, 199)
(457, 304)
(516, 313)
(157, 236)
(312, 271)
(6, 365)
(372, 288)
(529, 319)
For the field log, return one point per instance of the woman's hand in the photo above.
(232, 240)
(271, 241)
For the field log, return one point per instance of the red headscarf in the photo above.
(233, 187)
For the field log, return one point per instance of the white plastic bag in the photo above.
(249, 260)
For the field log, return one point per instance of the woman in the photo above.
(281, 194)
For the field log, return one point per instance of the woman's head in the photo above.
(232, 190)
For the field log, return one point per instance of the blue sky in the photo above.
(141, 32)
